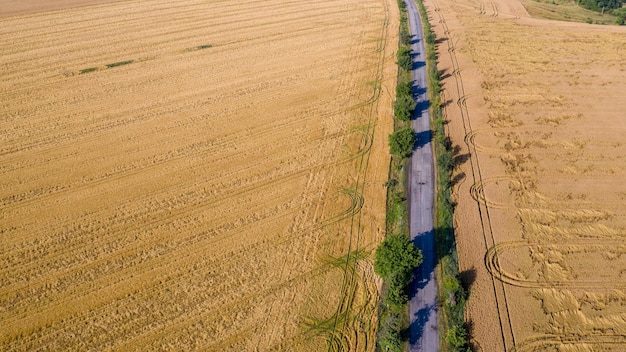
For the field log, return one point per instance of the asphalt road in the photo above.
(424, 335)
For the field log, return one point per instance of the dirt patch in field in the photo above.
(535, 109)
(183, 175)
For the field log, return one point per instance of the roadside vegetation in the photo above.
(452, 295)
(601, 5)
(397, 257)
(585, 11)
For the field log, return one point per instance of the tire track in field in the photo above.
(493, 265)
(73, 134)
(164, 250)
(542, 342)
(356, 200)
(477, 191)
(281, 19)
(185, 208)
(189, 205)
(337, 334)
(157, 273)
(504, 319)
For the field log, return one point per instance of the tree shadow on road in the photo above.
(422, 138)
(419, 323)
(424, 275)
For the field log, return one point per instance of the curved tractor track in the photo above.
(504, 318)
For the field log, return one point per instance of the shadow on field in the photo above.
(467, 279)
(459, 159)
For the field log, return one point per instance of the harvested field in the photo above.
(179, 175)
(535, 110)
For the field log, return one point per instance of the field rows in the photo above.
(540, 221)
(562, 158)
(172, 174)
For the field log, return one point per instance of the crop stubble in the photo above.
(184, 174)
(540, 216)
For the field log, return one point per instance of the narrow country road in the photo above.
(423, 292)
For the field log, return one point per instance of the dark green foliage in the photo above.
(87, 70)
(429, 37)
(621, 12)
(120, 63)
(395, 260)
(403, 88)
(403, 107)
(599, 5)
(389, 338)
(396, 294)
(401, 142)
(404, 58)
(391, 342)
(206, 46)
(621, 16)
(396, 257)
(456, 337)
(391, 183)
(405, 37)
(445, 160)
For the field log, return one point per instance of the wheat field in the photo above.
(536, 115)
(194, 175)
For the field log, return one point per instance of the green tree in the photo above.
(396, 293)
(456, 337)
(621, 16)
(401, 142)
(404, 58)
(403, 107)
(396, 258)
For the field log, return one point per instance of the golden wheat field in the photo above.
(536, 114)
(193, 175)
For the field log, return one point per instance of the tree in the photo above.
(404, 58)
(403, 107)
(621, 15)
(401, 142)
(396, 258)
(457, 337)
